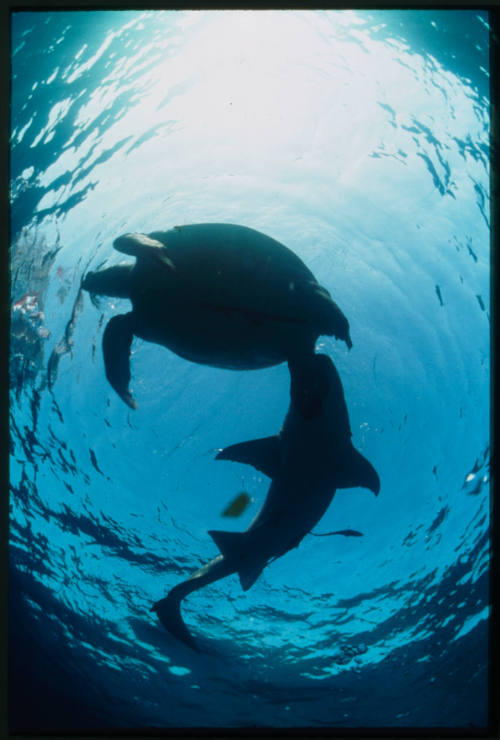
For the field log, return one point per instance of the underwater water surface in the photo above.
(361, 141)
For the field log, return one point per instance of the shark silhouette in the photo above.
(308, 461)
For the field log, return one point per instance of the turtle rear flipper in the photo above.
(116, 344)
(333, 321)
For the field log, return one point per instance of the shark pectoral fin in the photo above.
(358, 472)
(263, 454)
(116, 344)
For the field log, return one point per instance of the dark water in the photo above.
(360, 140)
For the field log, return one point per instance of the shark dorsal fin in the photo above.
(263, 454)
(357, 472)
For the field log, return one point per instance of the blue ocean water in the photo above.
(361, 141)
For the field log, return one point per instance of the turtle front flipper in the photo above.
(116, 344)
(143, 246)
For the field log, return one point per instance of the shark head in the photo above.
(316, 391)
(312, 379)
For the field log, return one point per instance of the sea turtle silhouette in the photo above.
(218, 294)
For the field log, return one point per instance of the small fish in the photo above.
(237, 505)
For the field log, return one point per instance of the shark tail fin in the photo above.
(359, 473)
(231, 546)
(169, 614)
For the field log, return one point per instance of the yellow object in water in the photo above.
(237, 505)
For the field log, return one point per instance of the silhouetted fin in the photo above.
(263, 454)
(229, 543)
(250, 575)
(169, 614)
(141, 245)
(357, 472)
(116, 344)
(231, 546)
(335, 321)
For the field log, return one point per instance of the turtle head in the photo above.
(114, 281)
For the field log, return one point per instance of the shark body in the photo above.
(307, 462)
